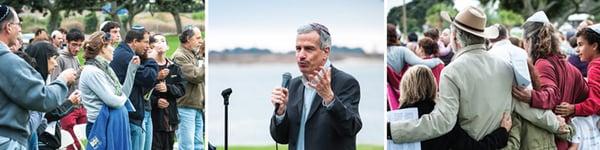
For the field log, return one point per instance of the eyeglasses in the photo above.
(75, 44)
(17, 23)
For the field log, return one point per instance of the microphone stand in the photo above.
(225, 95)
(226, 120)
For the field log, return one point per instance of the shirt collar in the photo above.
(502, 42)
(470, 48)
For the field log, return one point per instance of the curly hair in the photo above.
(542, 41)
(94, 45)
(429, 46)
(417, 84)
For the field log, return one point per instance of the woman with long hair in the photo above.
(559, 81)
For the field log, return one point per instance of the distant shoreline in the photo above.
(284, 58)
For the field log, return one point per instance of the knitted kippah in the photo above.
(3, 12)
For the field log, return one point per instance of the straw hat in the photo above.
(472, 20)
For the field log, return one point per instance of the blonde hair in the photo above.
(417, 84)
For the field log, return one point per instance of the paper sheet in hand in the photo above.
(406, 114)
(519, 65)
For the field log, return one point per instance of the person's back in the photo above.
(569, 82)
(484, 85)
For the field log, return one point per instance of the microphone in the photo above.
(285, 83)
(225, 93)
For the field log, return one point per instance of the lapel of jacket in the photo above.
(318, 100)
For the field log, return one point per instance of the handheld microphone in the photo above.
(225, 93)
(285, 83)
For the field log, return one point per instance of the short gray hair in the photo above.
(324, 37)
(9, 17)
(465, 38)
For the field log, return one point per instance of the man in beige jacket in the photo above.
(475, 89)
(190, 55)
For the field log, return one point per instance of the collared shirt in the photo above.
(309, 96)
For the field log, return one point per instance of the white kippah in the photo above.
(54, 33)
(103, 24)
(595, 27)
(539, 16)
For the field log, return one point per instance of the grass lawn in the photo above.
(172, 41)
(284, 147)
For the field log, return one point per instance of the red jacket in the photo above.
(559, 82)
(592, 104)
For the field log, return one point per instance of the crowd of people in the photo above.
(538, 91)
(127, 92)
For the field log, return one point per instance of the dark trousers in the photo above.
(88, 128)
(162, 140)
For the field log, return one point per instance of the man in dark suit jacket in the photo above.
(320, 111)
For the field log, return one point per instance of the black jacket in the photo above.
(326, 128)
(47, 140)
(166, 119)
(457, 138)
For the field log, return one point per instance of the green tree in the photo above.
(53, 8)
(416, 11)
(91, 22)
(507, 18)
(557, 10)
(177, 7)
(433, 15)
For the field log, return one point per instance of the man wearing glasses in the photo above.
(319, 111)
(22, 88)
(68, 60)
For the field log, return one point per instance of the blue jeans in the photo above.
(136, 136)
(33, 141)
(190, 133)
(147, 123)
(7, 143)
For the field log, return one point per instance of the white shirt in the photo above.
(515, 56)
(587, 134)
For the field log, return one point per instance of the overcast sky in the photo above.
(272, 24)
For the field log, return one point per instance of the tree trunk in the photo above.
(177, 19)
(115, 18)
(55, 19)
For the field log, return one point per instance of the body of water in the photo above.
(250, 108)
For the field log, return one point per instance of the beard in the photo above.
(143, 55)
